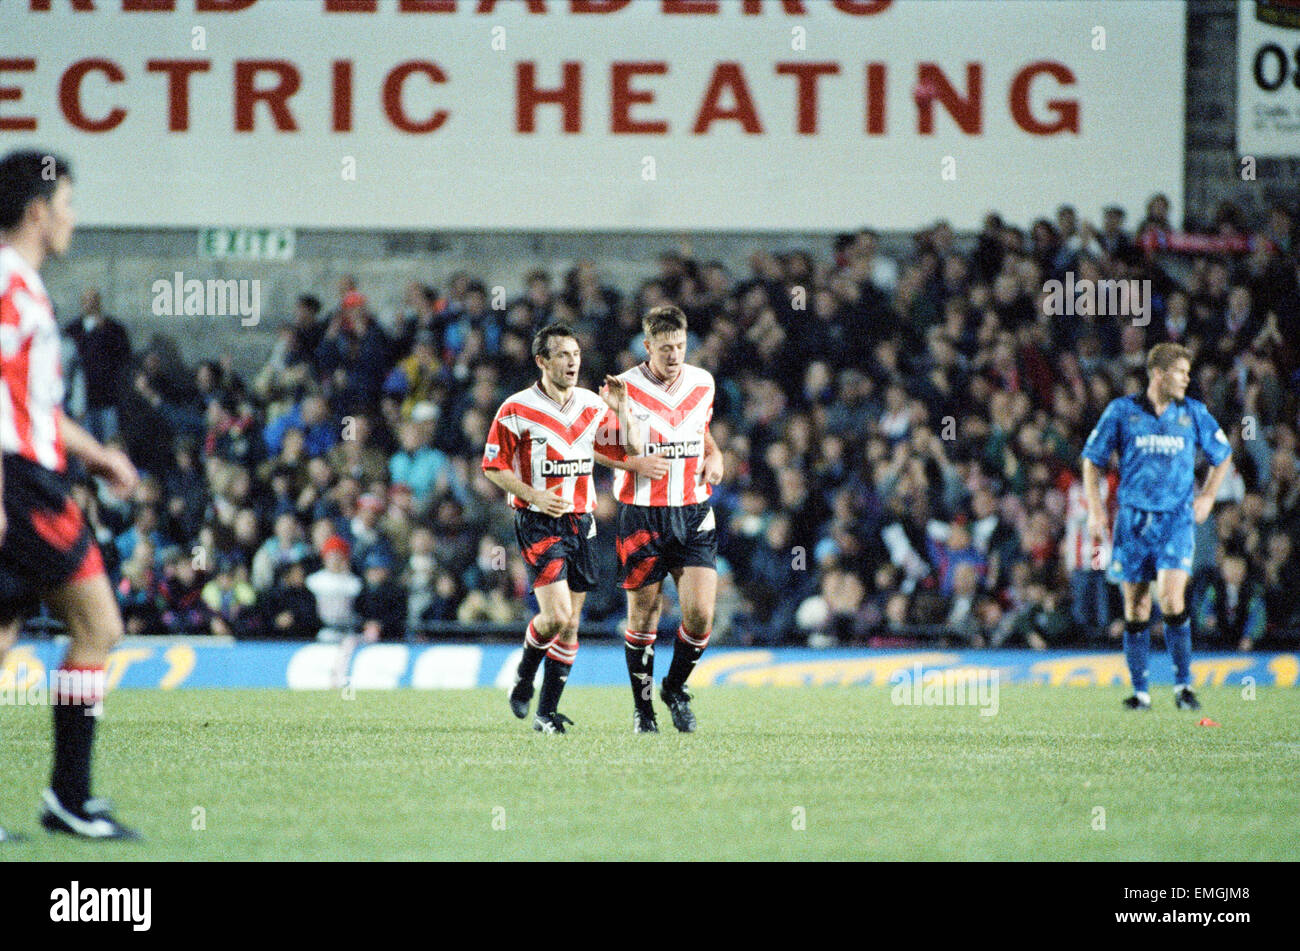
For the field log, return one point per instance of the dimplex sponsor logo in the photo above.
(968, 686)
(566, 467)
(1105, 298)
(101, 905)
(211, 298)
(675, 450)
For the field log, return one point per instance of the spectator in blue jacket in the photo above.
(320, 435)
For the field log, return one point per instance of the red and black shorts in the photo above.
(558, 548)
(47, 542)
(655, 540)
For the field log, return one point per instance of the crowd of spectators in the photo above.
(901, 436)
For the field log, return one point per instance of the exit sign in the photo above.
(249, 244)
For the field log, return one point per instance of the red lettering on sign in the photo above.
(70, 95)
(247, 95)
(178, 87)
(623, 97)
(528, 96)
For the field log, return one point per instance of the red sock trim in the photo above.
(563, 653)
(638, 638)
(698, 642)
(79, 685)
(534, 640)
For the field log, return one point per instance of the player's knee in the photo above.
(697, 620)
(109, 631)
(555, 621)
(641, 617)
(1171, 604)
(1140, 609)
(101, 633)
(1175, 615)
(569, 634)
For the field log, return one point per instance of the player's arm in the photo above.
(711, 472)
(1096, 456)
(614, 393)
(630, 452)
(502, 445)
(652, 467)
(548, 502)
(1092, 493)
(108, 462)
(1215, 445)
(1203, 504)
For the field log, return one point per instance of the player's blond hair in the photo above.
(1164, 355)
(663, 320)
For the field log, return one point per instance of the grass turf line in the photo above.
(423, 775)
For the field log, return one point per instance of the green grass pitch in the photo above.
(818, 773)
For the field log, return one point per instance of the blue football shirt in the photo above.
(1157, 456)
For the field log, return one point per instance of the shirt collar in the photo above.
(663, 385)
(1144, 401)
(551, 399)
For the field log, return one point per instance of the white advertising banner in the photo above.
(596, 114)
(1268, 78)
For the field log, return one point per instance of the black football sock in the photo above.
(534, 650)
(640, 655)
(559, 661)
(77, 698)
(686, 653)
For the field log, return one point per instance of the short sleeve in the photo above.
(1101, 442)
(501, 443)
(1213, 440)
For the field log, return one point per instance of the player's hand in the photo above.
(651, 467)
(370, 632)
(551, 504)
(614, 392)
(4, 524)
(116, 469)
(1096, 524)
(711, 471)
(1202, 505)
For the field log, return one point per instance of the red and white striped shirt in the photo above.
(31, 373)
(1080, 551)
(548, 445)
(675, 419)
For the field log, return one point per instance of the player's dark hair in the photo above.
(662, 320)
(542, 339)
(1164, 355)
(311, 302)
(25, 176)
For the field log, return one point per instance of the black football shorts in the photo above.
(655, 540)
(47, 542)
(558, 548)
